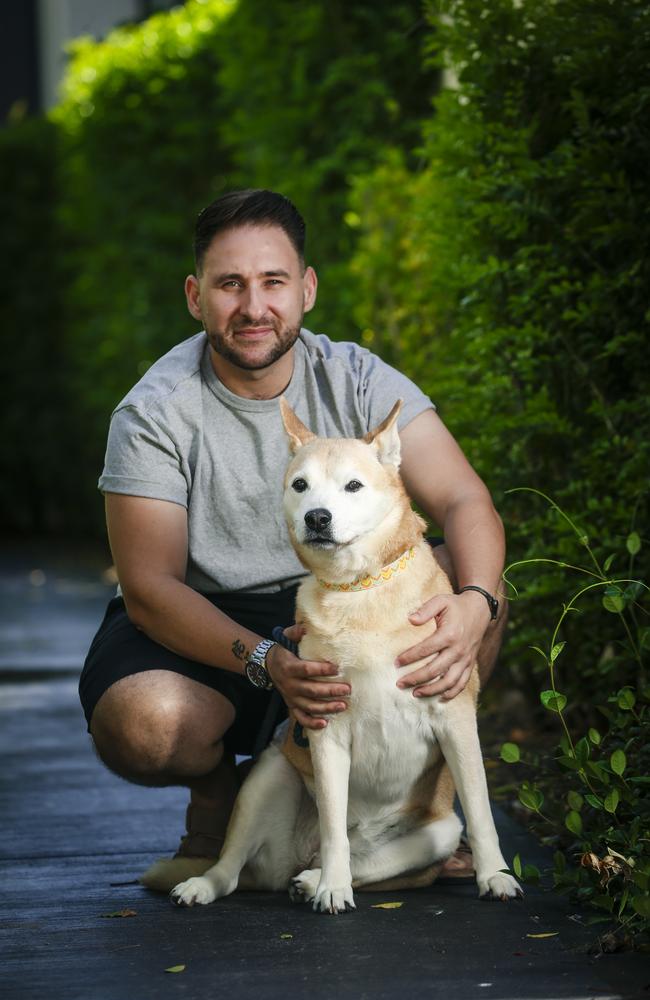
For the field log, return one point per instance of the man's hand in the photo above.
(309, 699)
(461, 622)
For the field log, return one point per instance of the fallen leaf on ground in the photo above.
(175, 968)
(548, 934)
(120, 913)
(386, 906)
(286, 936)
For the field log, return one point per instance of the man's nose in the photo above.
(252, 303)
(317, 519)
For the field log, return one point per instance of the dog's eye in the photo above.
(353, 486)
(299, 485)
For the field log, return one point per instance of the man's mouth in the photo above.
(253, 333)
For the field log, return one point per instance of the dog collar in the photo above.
(366, 582)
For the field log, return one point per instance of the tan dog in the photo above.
(371, 802)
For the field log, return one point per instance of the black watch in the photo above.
(493, 604)
(255, 668)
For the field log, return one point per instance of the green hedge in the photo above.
(509, 275)
(154, 122)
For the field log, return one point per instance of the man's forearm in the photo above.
(475, 539)
(174, 615)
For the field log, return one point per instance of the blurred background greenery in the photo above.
(474, 174)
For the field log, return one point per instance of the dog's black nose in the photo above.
(318, 519)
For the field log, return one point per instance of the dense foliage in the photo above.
(520, 250)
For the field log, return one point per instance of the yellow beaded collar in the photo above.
(366, 582)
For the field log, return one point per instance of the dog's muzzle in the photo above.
(319, 527)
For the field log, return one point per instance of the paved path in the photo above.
(71, 831)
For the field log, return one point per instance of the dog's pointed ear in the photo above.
(385, 438)
(297, 433)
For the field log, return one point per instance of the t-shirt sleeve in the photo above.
(142, 459)
(381, 386)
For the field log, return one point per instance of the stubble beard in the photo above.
(282, 343)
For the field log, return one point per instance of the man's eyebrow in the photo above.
(234, 276)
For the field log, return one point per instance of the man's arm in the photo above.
(441, 481)
(149, 542)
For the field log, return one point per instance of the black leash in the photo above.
(275, 711)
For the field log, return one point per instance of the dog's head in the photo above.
(342, 497)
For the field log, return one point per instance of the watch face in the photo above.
(257, 674)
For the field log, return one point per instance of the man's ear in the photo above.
(385, 438)
(192, 297)
(297, 433)
(309, 288)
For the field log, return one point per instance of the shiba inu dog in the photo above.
(368, 800)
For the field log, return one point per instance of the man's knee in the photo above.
(156, 734)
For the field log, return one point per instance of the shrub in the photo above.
(592, 797)
(508, 273)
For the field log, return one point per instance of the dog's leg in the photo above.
(261, 828)
(331, 763)
(416, 849)
(459, 742)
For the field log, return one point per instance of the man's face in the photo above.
(252, 295)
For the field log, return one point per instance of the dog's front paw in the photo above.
(302, 888)
(499, 886)
(195, 890)
(334, 900)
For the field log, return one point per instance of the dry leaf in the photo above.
(386, 906)
(120, 913)
(175, 968)
(548, 934)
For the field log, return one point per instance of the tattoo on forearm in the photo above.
(239, 650)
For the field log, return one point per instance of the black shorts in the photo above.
(119, 650)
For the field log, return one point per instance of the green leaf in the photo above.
(541, 653)
(594, 736)
(600, 772)
(634, 591)
(633, 543)
(611, 801)
(575, 800)
(626, 699)
(582, 750)
(614, 603)
(609, 561)
(569, 762)
(573, 822)
(516, 865)
(560, 862)
(175, 968)
(553, 700)
(644, 637)
(618, 761)
(557, 649)
(594, 801)
(531, 797)
(604, 901)
(642, 905)
(510, 753)
(531, 873)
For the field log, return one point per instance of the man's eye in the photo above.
(353, 486)
(299, 485)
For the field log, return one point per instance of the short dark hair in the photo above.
(253, 207)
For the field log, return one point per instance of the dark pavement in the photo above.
(72, 832)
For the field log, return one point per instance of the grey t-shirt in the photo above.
(181, 435)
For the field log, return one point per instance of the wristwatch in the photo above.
(493, 604)
(255, 668)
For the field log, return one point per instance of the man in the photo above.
(193, 486)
